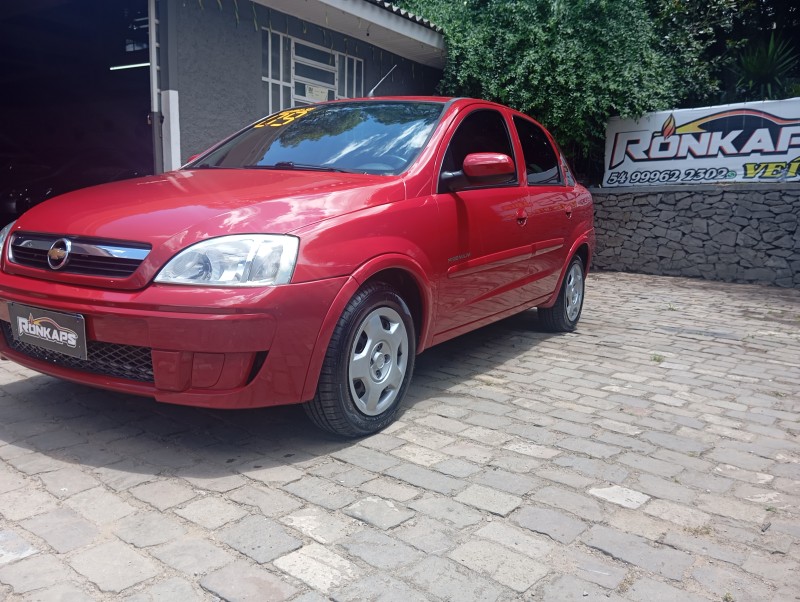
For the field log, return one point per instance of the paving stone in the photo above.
(145, 529)
(23, 503)
(679, 514)
(389, 488)
(270, 471)
(113, 566)
(270, 502)
(174, 588)
(665, 489)
(61, 592)
(581, 505)
(588, 567)
(516, 539)
(491, 500)
(589, 447)
(724, 506)
(561, 527)
(416, 454)
(651, 465)
(319, 567)
(638, 551)
(380, 550)
(240, 581)
(647, 590)
(442, 578)
(67, 481)
(126, 474)
(430, 536)
(504, 566)
(366, 458)
(699, 542)
(321, 492)
(211, 512)
(379, 587)
(674, 442)
(569, 588)
(63, 529)
(321, 525)
(722, 581)
(14, 547)
(510, 482)
(192, 555)
(426, 479)
(427, 437)
(379, 512)
(34, 572)
(443, 508)
(596, 469)
(258, 537)
(621, 496)
(164, 494)
(471, 451)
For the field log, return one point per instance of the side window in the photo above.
(483, 131)
(541, 162)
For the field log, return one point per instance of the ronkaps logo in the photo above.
(47, 329)
(730, 133)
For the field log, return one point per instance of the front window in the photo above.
(379, 137)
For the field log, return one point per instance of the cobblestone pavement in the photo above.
(652, 455)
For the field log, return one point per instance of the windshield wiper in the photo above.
(300, 166)
(209, 166)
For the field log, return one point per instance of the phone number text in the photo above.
(670, 175)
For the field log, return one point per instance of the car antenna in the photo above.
(371, 93)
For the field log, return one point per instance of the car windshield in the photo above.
(376, 137)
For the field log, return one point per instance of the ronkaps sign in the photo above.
(746, 142)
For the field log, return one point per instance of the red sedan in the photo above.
(306, 259)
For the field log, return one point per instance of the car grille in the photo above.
(108, 359)
(91, 257)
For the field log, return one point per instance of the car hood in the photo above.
(177, 208)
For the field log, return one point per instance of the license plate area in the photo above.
(52, 330)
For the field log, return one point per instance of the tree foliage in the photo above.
(572, 64)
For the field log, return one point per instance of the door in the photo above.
(551, 205)
(488, 262)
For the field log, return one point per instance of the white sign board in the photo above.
(746, 142)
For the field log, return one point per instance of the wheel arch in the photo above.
(583, 249)
(403, 274)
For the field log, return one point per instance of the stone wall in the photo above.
(733, 232)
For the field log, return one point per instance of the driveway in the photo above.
(652, 455)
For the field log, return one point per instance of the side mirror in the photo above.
(480, 169)
(488, 168)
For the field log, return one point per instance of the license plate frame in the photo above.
(56, 331)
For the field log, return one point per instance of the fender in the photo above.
(353, 283)
(587, 238)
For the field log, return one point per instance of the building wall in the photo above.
(217, 66)
(732, 233)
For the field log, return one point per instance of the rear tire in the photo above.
(565, 313)
(367, 366)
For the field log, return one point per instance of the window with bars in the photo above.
(295, 73)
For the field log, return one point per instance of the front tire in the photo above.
(565, 313)
(367, 366)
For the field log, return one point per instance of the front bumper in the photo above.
(210, 347)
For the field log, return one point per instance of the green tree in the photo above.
(572, 64)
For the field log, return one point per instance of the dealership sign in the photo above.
(747, 142)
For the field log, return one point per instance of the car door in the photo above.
(489, 241)
(551, 203)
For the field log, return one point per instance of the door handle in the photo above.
(522, 217)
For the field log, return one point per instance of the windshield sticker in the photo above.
(284, 117)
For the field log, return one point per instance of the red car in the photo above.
(306, 259)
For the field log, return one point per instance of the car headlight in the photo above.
(238, 260)
(4, 234)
